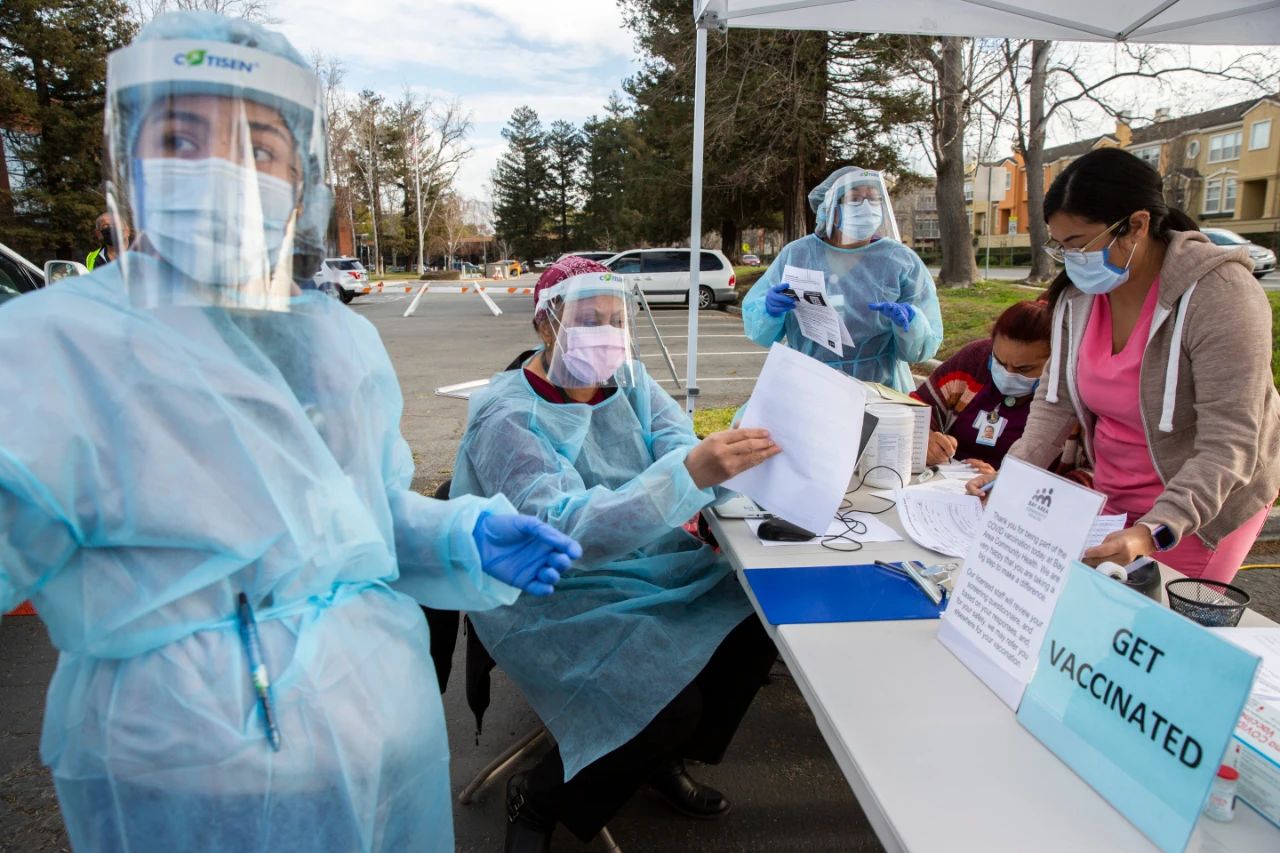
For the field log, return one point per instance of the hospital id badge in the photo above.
(989, 426)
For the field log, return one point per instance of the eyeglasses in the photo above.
(1060, 253)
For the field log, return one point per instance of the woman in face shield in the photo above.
(204, 491)
(880, 289)
(649, 653)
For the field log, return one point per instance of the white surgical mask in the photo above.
(590, 354)
(1095, 274)
(216, 222)
(859, 220)
(1011, 384)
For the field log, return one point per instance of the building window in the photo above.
(1220, 195)
(927, 201)
(927, 229)
(1260, 135)
(1225, 146)
(968, 191)
(1149, 155)
(1008, 180)
(1193, 149)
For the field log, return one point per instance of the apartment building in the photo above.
(1221, 166)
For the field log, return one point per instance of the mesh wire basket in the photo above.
(1210, 603)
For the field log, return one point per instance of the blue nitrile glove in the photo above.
(523, 552)
(897, 312)
(777, 303)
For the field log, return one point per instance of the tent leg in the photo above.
(695, 218)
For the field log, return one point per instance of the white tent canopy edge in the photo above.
(1203, 22)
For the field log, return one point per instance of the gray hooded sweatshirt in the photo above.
(1207, 398)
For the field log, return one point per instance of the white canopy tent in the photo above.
(1205, 22)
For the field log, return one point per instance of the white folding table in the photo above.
(937, 762)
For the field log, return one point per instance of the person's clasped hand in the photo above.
(974, 486)
(1122, 547)
(727, 453)
(777, 303)
(523, 552)
(899, 313)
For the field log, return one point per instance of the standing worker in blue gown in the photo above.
(880, 289)
(205, 492)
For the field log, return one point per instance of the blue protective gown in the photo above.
(882, 271)
(635, 620)
(153, 465)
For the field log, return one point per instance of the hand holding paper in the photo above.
(727, 453)
(815, 412)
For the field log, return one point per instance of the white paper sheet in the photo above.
(811, 411)
(1265, 643)
(876, 531)
(818, 321)
(939, 520)
(1104, 525)
(1034, 525)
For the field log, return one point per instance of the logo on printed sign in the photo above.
(1040, 503)
(199, 57)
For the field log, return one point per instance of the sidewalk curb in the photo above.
(1271, 527)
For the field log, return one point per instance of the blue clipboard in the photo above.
(869, 593)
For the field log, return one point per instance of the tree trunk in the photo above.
(730, 240)
(959, 269)
(1042, 266)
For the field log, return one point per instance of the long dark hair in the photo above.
(1107, 185)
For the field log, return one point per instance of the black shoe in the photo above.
(688, 797)
(527, 830)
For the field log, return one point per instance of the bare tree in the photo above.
(959, 76)
(435, 146)
(367, 155)
(253, 10)
(1056, 80)
(455, 227)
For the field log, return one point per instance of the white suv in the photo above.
(663, 275)
(346, 276)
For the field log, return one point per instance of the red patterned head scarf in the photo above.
(566, 267)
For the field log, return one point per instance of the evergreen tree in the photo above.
(521, 185)
(611, 156)
(52, 94)
(564, 162)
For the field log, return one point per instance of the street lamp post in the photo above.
(988, 217)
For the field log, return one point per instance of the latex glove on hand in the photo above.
(727, 453)
(899, 313)
(1122, 547)
(777, 303)
(941, 448)
(523, 552)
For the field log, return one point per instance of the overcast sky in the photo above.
(564, 58)
(561, 57)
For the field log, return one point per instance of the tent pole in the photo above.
(695, 219)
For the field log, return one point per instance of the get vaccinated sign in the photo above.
(1139, 701)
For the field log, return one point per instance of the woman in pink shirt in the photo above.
(1161, 349)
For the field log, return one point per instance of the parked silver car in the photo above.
(1264, 260)
(663, 275)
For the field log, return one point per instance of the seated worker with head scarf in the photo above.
(649, 652)
(981, 395)
(190, 437)
(880, 289)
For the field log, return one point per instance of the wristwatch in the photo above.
(1161, 535)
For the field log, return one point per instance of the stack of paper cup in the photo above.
(886, 464)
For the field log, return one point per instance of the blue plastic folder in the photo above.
(797, 596)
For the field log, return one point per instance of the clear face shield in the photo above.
(216, 158)
(857, 209)
(591, 317)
